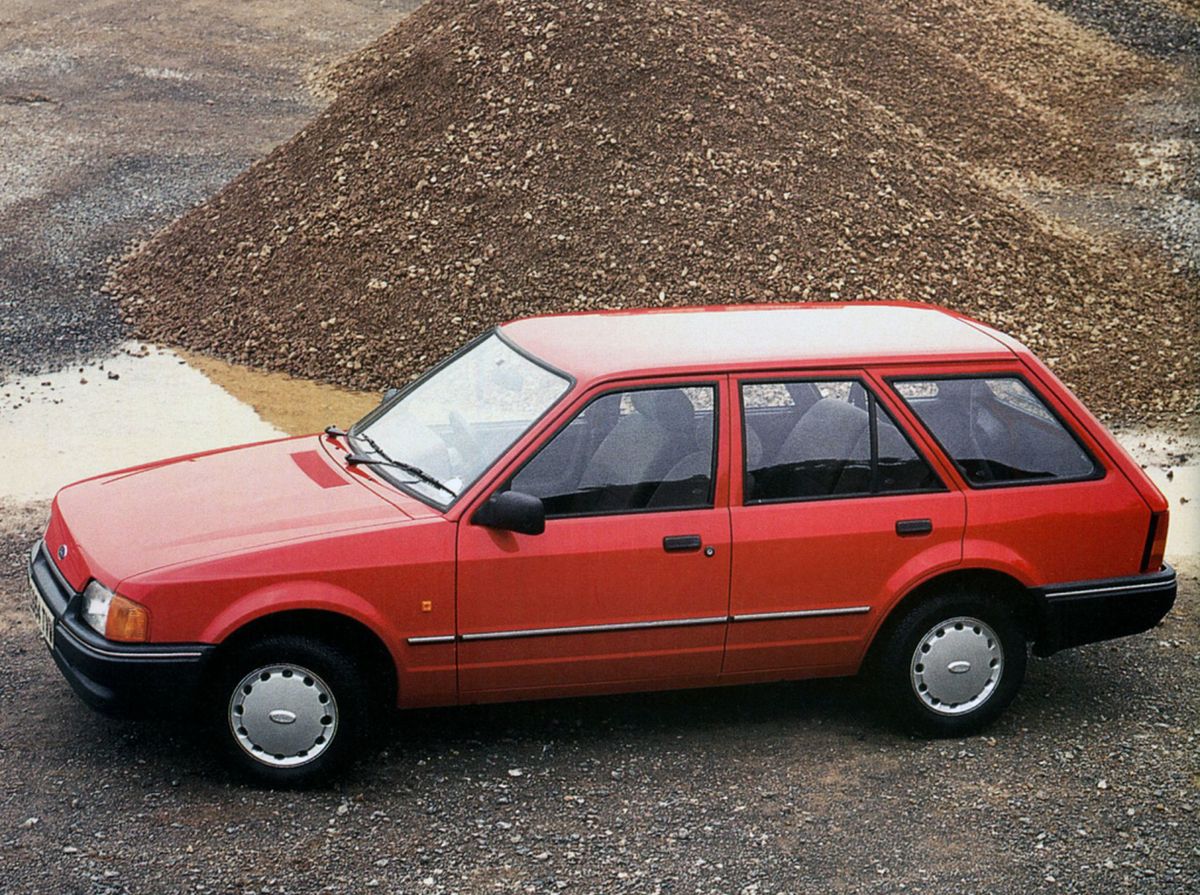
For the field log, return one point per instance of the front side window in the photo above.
(459, 419)
(997, 430)
(646, 449)
(806, 440)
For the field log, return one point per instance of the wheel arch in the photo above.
(363, 642)
(1019, 599)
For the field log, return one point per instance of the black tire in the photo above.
(320, 670)
(993, 650)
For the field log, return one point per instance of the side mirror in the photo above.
(512, 511)
(389, 394)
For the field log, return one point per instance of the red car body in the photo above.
(218, 544)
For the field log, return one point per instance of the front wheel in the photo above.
(952, 664)
(289, 710)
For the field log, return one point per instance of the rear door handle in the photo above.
(910, 527)
(680, 543)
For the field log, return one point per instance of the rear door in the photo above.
(834, 508)
(628, 586)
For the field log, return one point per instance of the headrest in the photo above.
(804, 394)
(832, 416)
(667, 406)
(602, 413)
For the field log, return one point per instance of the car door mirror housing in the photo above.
(512, 511)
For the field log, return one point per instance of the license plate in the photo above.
(42, 616)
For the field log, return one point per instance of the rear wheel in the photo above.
(952, 664)
(289, 710)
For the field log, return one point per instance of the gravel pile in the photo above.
(1004, 84)
(488, 160)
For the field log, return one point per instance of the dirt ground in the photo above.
(1090, 783)
(297, 406)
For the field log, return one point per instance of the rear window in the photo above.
(997, 430)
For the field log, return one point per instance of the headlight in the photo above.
(114, 616)
(97, 599)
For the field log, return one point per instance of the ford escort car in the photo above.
(606, 502)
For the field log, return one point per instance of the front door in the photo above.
(628, 586)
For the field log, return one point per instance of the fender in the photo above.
(282, 596)
(427, 676)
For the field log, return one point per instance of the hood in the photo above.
(176, 511)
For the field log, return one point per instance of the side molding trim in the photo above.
(636, 626)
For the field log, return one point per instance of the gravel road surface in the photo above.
(1153, 28)
(1089, 784)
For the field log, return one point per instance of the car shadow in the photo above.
(798, 716)
(169, 749)
(840, 701)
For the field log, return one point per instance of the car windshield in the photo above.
(457, 420)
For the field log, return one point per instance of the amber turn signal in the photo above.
(128, 621)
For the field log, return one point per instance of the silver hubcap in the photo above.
(957, 665)
(283, 715)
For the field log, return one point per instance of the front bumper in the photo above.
(1091, 611)
(130, 680)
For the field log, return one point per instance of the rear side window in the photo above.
(997, 430)
(805, 440)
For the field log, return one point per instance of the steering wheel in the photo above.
(467, 443)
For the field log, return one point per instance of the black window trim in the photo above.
(616, 389)
(939, 486)
(466, 489)
(1099, 470)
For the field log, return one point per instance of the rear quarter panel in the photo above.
(1096, 430)
(1050, 532)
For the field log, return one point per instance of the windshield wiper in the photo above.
(358, 459)
(415, 471)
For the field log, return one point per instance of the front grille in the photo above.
(49, 581)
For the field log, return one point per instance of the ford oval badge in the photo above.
(282, 716)
(959, 667)
(62, 551)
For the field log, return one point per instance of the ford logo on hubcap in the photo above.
(282, 716)
(958, 667)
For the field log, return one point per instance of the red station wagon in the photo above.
(596, 503)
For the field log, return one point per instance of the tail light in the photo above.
(1156, 543)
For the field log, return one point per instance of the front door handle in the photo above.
(910, 527)
(680, 543)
